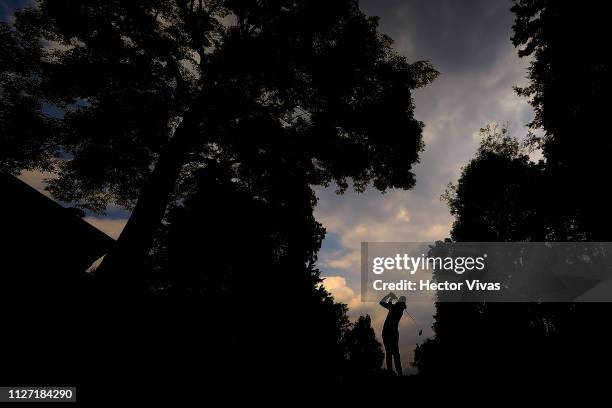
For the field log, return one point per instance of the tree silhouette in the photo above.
(569, 94)
(365, 354)
(492, 201)
(211, 121)
(22, 147)
(501, 196)
(246, 249)
(152, 89)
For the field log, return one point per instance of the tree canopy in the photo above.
(124, 74)
(569, 83)
(211, 121)
(503, 196)
(498, 196)
(145, 90)
(365, 354)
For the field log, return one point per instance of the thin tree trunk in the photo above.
(123, 263)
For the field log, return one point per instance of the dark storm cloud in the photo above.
(456, 35)
(8, 7)
(468, 41)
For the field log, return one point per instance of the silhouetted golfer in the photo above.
(390, 333)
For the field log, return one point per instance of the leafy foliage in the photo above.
(569, 83)
(22, 147)
(248, 252)
(365, 354)
(498, 193)
(502, 196)
(126, 74)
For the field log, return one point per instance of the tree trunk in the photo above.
(123, 263)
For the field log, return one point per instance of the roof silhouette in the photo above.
(42, 238)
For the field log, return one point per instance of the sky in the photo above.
(468, 41)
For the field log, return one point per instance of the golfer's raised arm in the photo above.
(384, 302)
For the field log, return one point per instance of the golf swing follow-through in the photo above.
(390, 334)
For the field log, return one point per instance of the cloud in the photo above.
(458, 36)
(111, 227)
(409, 329)
(8, 7)
(395, 216)
(336, 285)
(469, 43)
(36, 179)
(346, 261)
(343, 293)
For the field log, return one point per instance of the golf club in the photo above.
(414, 320)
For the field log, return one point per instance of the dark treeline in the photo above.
(211, 121)
(503, 196)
